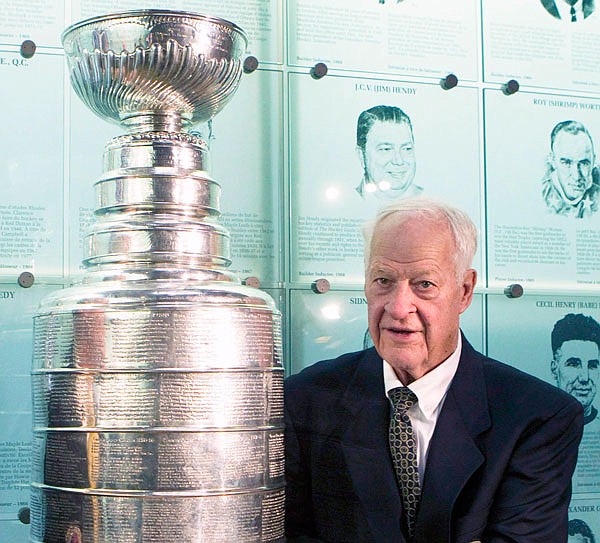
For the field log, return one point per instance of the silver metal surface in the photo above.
(204, 462)
(157, 399)
(157, 238)
(158, 150)
(227, 518)
(158, 379)
(180, 65)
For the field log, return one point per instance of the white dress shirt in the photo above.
(431, 392)
(564, 9)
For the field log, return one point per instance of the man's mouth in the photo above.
(577, 184)
(581, 391)
(400, 332)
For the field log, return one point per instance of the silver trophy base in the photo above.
(157, 517)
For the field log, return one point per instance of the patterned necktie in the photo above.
(572, 10)
(404, 453)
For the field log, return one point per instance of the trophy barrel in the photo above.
(157, 379)
(158, 413)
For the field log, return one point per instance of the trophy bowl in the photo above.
(150, 69)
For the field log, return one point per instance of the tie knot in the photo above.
(402, 398)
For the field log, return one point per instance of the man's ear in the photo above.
(361, 156)
(468, 287)
(553, 367)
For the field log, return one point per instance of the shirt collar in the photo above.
(430, 389)
(564, 8)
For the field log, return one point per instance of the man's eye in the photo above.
(593, 364)
(425, 284)
(383, 281)
(573, 362)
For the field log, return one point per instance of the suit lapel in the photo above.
(365, 447)
(453, 453)
(550, 5)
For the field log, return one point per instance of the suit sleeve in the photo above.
(299, 521)
(532, 501)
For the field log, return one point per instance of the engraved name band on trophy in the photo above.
(157, 380)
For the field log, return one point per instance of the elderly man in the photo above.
(422, 439)
(571, 186)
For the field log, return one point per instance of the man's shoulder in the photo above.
(331, 372)
(506, 383)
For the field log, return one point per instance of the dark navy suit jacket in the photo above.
(499, 468)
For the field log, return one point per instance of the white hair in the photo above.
(461, 226)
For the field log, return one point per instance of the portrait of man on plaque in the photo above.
(571, 183)
(569, 10)
(386, 150)
(580, 532)
(575, 360)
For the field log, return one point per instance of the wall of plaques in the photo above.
(509, 137)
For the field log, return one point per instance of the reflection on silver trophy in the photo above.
(157, 380)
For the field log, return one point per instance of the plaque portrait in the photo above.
(584, 520)
(542, 187)
(385, 140)
(557, 340)
(543, 43)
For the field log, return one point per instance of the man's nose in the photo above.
(583, 375)
(398, 156)
(400, 303)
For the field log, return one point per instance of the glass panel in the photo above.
(542, 208)
(413, 37)
(15, 463)
(262, 20)
(31, 164)
(17, 307)
(246, 152)
(14, 531)
(88, 134)
(41, 22)
(537, 44)
(335, 185)
(325, 326)
(554, 341)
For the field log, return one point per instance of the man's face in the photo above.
(414, 298)
(389, 156)
(573, 160)
(575, 368)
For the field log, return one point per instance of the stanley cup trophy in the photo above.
(157, 380)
